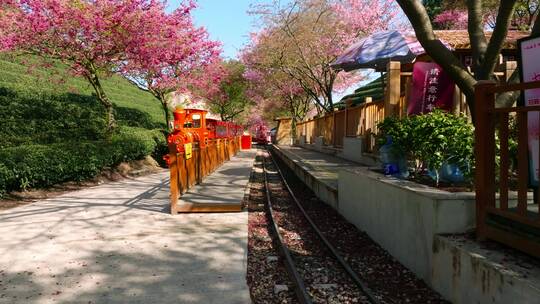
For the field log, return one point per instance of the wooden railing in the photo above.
(358, 121)
(501, 214)
(185, 173)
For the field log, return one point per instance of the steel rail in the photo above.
(300, 287)
(353, 275)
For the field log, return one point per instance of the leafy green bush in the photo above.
(433, 139)
(44, 118)
(45, 165)
(54, 118)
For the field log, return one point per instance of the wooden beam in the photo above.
(484, 153)
(174, 180)
(393, 89)
(208, 207)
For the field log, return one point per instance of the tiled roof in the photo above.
(459, 39)
(373, 89)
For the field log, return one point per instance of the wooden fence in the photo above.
(355, 121)
(185, 173)
(500, 214)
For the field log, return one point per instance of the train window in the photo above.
(196, 120)
(222, 131)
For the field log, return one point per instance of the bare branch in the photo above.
(504, 19)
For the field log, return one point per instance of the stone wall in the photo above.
(403, 217)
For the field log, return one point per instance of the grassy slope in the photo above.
(57, 80)
(51, 125)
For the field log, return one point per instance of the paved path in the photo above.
(116, 243)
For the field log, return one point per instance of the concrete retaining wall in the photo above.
(353, 148)
(403, 217)
(319, 143)
(353, 151)
(463, 272)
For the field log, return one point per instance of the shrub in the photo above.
(46, 119)
(52, 127)
(27, 118)
(433, 139)
(45, 165)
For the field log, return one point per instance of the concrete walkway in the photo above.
(225, 188)
(323, 167)
(116, 243)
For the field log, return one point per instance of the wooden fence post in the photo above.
(484, 101)
(333, 133)
(346, 122)
(200, 164)
(393, 89)
(408, 89)
(173, 171)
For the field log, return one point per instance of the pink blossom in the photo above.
(452, 19)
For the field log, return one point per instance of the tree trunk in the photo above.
(293, 128)
(493, 50)
(167, 130)
(93, 78)
(165, 107)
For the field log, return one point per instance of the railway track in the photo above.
(318, 271)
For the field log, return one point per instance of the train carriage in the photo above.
(262, 135)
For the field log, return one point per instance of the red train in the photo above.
(262, 135)
(191, 125)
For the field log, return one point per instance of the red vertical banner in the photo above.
(431, 88)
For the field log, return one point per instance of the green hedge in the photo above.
(31, 166)
(41, 118)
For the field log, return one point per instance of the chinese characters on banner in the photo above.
(431, 88)
(530, 69)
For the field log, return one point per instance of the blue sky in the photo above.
(226, 20)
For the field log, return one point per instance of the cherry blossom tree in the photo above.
(225, 90)
(524, 16)
(274, 91)
(92, 37)
(173, 55)
(453, 19)
(302, 39)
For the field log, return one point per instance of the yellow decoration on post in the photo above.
(189, 150)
